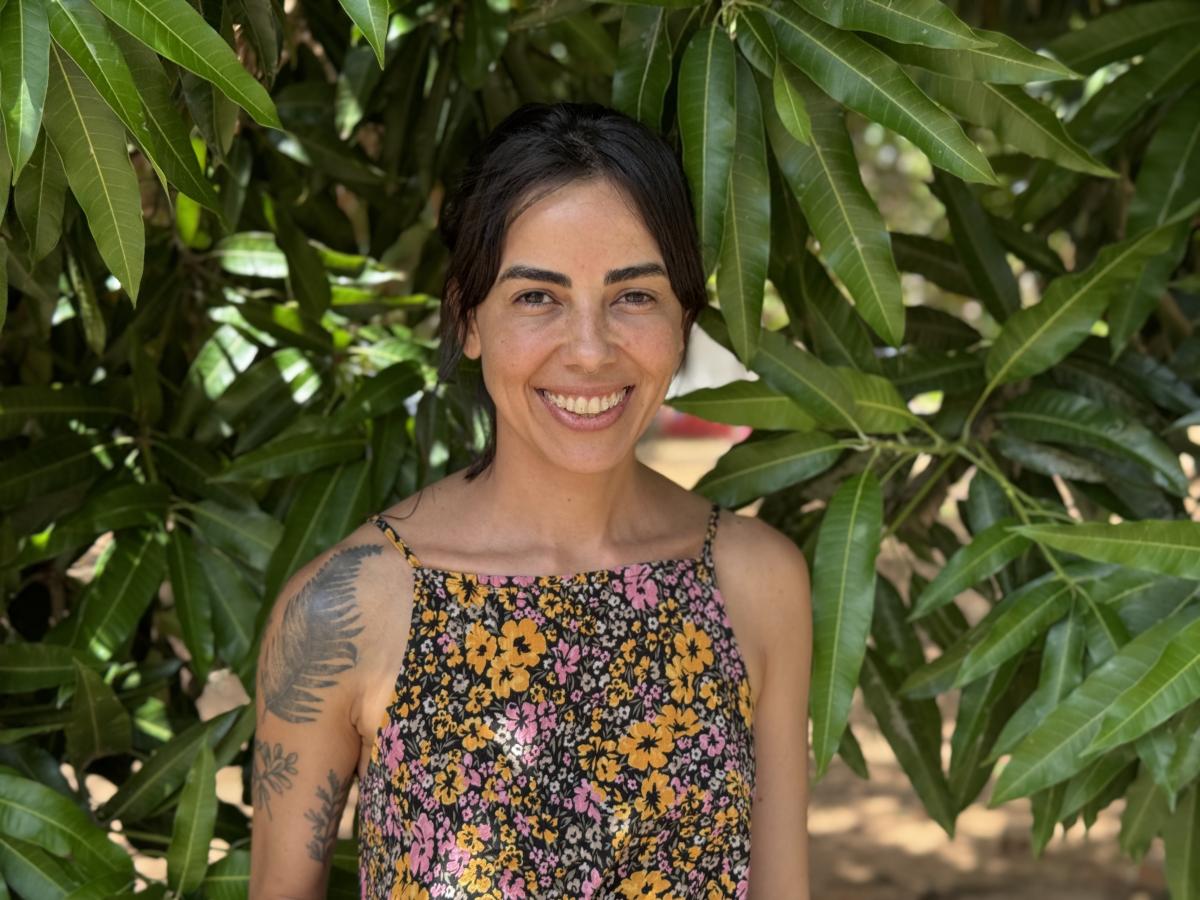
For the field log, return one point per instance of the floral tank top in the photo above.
(582, 736)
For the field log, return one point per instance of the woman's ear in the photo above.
(472, 347)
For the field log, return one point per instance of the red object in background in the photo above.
(675, 424)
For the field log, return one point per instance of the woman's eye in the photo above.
(639, 298)
(524, 298)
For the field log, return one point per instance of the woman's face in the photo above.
(581, 316)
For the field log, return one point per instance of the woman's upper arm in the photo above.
(779, 815)
(306, 747)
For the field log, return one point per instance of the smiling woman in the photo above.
(582, 691)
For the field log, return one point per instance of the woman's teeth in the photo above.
(586, 406)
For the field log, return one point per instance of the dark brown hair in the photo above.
(538, 148)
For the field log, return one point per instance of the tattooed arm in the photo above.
(305, 746)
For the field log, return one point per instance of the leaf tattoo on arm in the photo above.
(270, 772)
(314, 640)
(325, 819)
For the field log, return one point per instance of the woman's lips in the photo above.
(579, 422)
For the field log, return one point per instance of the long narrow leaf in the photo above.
(24, 62)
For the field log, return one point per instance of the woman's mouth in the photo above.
(586, 413)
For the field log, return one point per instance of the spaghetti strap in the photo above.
(706, 554)
(397, 541)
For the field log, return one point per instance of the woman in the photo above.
(518, 731)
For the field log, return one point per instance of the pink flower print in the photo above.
(640, 587)
(712, 741)
(566, 660)
(395, 746)
(511, 886)
(591, 885)
(584, 800)
(524, 580)
(547, 716)
(421, 853)
(458, 859)
(522, 721)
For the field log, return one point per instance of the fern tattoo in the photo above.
(315, 639)
(270, 772)
(325, 819)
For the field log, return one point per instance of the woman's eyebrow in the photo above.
(532, 273)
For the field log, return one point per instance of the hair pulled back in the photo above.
(535, 150)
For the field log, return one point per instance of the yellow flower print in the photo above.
(598, 756)
(710, 694)
(646, 744)
(522, 642)
(682, 682)
(736, 784)
(627, 648)
(746, 703)
(695, 647)
(455, 656)
(645, 884)
(481, 647)
(478, 697)
(448, 784)
(656, 795)
(468, 838)
(477, 876)
(475, 733)
(443, 723)
(466, 589)
(682, 720)
(544, 827)
(506, 677)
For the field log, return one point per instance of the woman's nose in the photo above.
(589, 339)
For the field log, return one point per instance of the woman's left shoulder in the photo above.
(758, 554)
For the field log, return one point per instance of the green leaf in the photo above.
(234, 604)
(987, 553)
(814, 386)
(33, 812)
(187, 855)
(193, 604)
(933, 260)
(789, 102)
(229, 877)
(249, 535)
(824, 177)
(751, 470)
(32, 871)
(1048, 460)
(1005, 62)
(866, 80)
(746, 236)
(24, 60)
(1145, 814)
(1015, 118)
(1171, 684)
(297, 455)
(643, 70)
(485, 34)
(707, 130)
(902, 722)
(330, 505)
(880, 407)
(1035, 338)
(52, 464)
(1185, 761)
(1167, 547)
(121, 593)
(130, 79)
(835, 329)
(176, 31)
(1181, 840)
(99, 724)
(1052, 751)
(926, 22)
(165, 771)
(752, 403)
(1052, 415)
(1061, 672)
(843, 599)
(1122, 33)
(39, 199)
(920, 371)
(371, 17)
(91, 142)
(120, 506)
(384, 392)
(983, 706)
(978, 247)
(30, 667)
(1015, 622)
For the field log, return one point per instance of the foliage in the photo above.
(219, 358)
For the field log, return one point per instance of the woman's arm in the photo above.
(782, 607)
(306, 747)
